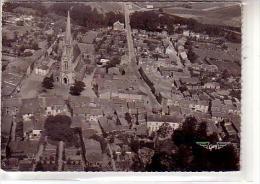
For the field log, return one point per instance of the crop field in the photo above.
(219, 15)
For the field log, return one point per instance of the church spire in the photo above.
(68, 37)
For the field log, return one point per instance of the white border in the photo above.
(250, 130)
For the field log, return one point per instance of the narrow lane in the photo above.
(60, 155)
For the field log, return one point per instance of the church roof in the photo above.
(89, 37)
(86, 48)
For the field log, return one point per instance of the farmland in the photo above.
(228, 15)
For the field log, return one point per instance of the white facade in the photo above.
(154, 126)
(199, 107)
(41, 71)
(54, 110)
(27, 117)
(118, 26)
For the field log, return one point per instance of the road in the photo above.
(88, 89)
(13, 130)
(153, 103)
(60, 155)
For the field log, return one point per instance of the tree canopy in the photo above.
(48, 82)
(189, 156)
(77, 88)
(58, 128)
(86, 16)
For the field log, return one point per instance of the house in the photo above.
(141, 130)
(211, 85)
(112, 125)
(149, 6)
(23, 149)
(49, 153)
(78, 101)
(10, 106)
(30, 107)
(42, 70)
(81, 112)
(55, 105)
(200, 106)
(94, 114)
(217, 110)
(118, 26)
(129, 95)
(183, 56)
(230, 131)
(25, 165)
(209, 68)
(114, 71)
(89, 37)
(154, 122)
(186, 33)
(73, 159)
(190, 81)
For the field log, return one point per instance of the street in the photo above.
(153, 103)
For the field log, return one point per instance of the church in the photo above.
(68, 69)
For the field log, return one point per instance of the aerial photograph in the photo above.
(121, 86)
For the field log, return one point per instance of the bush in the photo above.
(77, 88)
(47, 83)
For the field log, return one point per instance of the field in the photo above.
(229, 59)
(229, 15)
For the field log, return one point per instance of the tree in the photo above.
(39, 167)
(58, 128)
(178, 137)
(183, 158)
(225, 74)
(48, 82)
(192, 56)
(202, 132)
(193, 157)
(35, 46)
(77, 88)
(128, 117)
(188, 45)
(161, 161)
(164, 130)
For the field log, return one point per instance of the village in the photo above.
(111, 99)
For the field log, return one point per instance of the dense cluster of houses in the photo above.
(117, 128)
(195, 89)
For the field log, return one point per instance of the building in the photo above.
(118, 26)
(66, 73)
(71, 57)
(30, 107)
(154, 122)
(211, 85)
(42, 70)
(55, 105)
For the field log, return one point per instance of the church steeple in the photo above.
(68, 38)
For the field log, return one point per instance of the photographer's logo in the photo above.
(210, 146)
